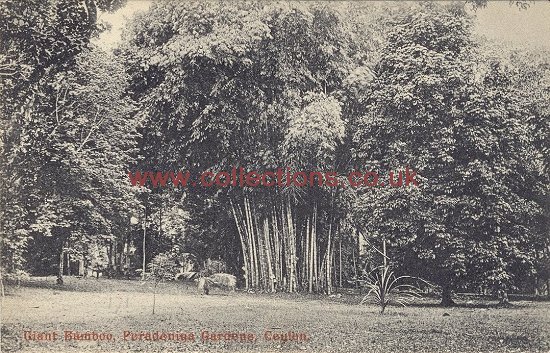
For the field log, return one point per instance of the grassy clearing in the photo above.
(332, 324)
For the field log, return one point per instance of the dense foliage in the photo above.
(66, 131)
(330, 87)
(475, 220)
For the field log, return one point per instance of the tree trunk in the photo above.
(340, 262)
(503, 297)
(68, 264)
(110, 256)
(446, 296)
(384, 252)
(61, 263)
(81, 267)
(355, 275)
(144, 234)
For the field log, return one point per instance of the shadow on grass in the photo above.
(216, 295)
(479, 305)
(74, 284)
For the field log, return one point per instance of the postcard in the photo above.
(274, 176)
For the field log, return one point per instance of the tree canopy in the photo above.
(398, 88)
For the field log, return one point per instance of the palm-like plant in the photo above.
(388, 288)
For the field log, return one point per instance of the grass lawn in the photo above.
(329, 324)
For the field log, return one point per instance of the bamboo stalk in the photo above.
(261, 254)
(277, 248)
(328, 259)
(340, 265)
(291, 247)
(270, 282)
(243, 245)
(314, 250)
(286, 240)
(252, 244)
(309, 260)
(259, 246)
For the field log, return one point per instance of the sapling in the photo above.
(161, 268)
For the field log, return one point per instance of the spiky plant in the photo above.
(388, 288)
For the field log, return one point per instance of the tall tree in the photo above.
(239, 84)
(48, 131)
(468, 221)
